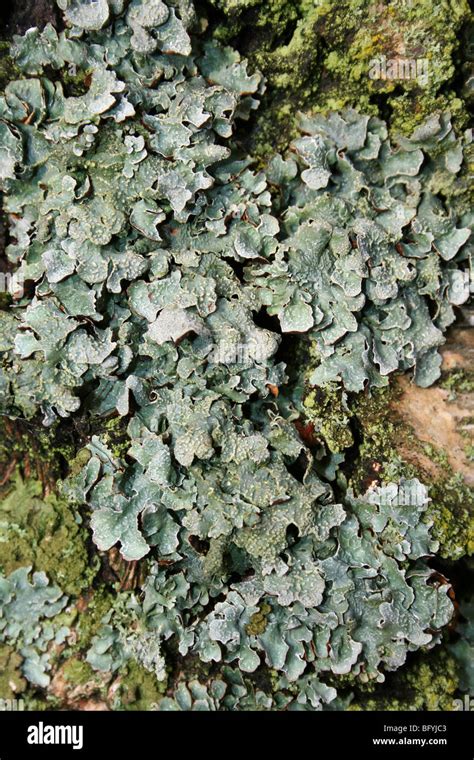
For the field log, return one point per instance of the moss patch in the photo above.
(113, 432)
(78, 672)
(139, 689)
(327, 410)
(320, 57)
(451, 510)
(12, 682)
(258, 621)
(429, 683)
(8, 69)
(92, 607)
(45, 533)
(458, 381)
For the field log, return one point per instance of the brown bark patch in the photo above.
(437, 418)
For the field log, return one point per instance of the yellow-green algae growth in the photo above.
(139, 689)
(429, 683)
(322, 55)
(12, 683)
(46, 533)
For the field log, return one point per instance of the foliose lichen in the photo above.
(165, 276)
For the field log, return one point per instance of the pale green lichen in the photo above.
(30, 620)
(166, 277)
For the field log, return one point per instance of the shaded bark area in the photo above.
(17, 17)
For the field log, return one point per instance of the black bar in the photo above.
(117, 735)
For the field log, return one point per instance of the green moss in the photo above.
(139, 689)
(258, 621)
(458, 381)
(429, 683)
(363, 427)
(452, 509)
(93, 607)
(75, 84)
(436, 455)
(79, 461)
(12, 682)
(78, 672)
(317, 56)
(327, 410)
(8, 69)
(380, 437)
(342, 682)
(44, 532)
(113, 433)
(36, 700)
(452, 501)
